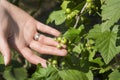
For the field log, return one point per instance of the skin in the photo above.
(17, 30)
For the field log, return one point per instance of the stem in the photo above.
(77, 20)
(56, 68)
(83, 8)
(99, 14)
(96, 69)
(78, 16)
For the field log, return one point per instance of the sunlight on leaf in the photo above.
(72, 75)
(15, 73)
(57, 16)
(64, 4)
(114, 75)
(110, 13)
(106, 44)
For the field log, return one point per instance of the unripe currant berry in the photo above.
(82, 18)
(89, 48)
(93, 7)
(69, 42)
(55, 39)
(62, 63)
(54, 62)
(89, 6)
(69, 17)
(87, 44)
(89, 1)
(64, 40)
(67, 10)
(49, 59)
(59, 38)
(59, 46)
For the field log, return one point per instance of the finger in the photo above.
(46, 29)
(5, 50)
(32, 58)
(47, 49)
(49, 41)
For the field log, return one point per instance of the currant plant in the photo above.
(93, 33)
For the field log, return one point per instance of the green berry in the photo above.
(90, 12)
(89, 48)
(68, 10)
(93, 6)
(91, 42)
(62, 63)
(54, 62)
(89, 6)
(64, 40)
(55, 39)
(82, 18)
(69, 42)
(59, 46)
(69, 17)
(49, 59)
(89, 1)
(59, 39)
(87, 44)
(73, 13)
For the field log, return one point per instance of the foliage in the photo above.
(51, 73)
(14, 71)
(61, 17)
(93, 44)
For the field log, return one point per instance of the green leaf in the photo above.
(78, 48)
(15, 73)
(110, 13)
(72, 33)
(105, 41)
(89, 75)
(64, 4)
(1, 59)
(114, 75)
(49, 73)
(72, 75)
(103, 70)
(118, 49)
(40, 73)
(106, 44)
(95, 32)
(2, 66)
(57, 16)
(98, 61)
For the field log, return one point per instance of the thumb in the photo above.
(5, 50)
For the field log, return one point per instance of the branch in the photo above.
(78, 16)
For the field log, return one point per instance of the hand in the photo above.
(17, 30)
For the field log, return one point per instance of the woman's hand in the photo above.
(17, 30)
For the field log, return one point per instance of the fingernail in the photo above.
(5, 60)
(44, 64)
